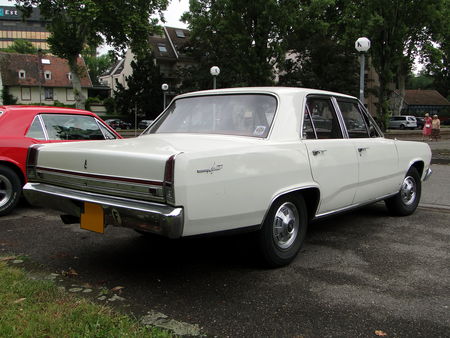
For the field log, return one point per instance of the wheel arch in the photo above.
(311, 196)
(14, 168)
(419, 165)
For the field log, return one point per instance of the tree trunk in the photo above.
(80, 99)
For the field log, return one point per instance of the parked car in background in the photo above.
(22, 126)
(266, 160)
(402, 122)
(144, 124)
(420, 122)
(118, 124)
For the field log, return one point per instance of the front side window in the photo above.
(71, 127)
(106, 132)
(234, 114)
(324, 118)
(353, 119)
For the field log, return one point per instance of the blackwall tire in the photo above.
(283, 232)
(10, 190)
(405, 202)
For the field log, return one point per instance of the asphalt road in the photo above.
(358, 273)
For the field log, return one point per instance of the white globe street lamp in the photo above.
(215, 71)
(362, 45)
(165, 88)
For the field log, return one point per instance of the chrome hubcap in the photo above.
(285, 225)
(6, 190)
(408, 191)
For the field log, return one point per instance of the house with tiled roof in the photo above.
(169, 56)
(43, 79)
(417, 102)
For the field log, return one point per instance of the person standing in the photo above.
(426, 131)
(435, 127)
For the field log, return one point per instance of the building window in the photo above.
(26, 93)
(22, 74)
(162, 48)
(69, 94)
(180, 33)
(48, 93)
(69, 76)
(48, 75)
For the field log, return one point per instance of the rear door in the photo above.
(334, 163)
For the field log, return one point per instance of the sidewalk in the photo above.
(436, 191)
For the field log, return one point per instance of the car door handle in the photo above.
(317, 152)
(360, 150)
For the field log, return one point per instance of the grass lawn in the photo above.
(37, 308)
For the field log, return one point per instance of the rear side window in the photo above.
(36, 131)
(353, 118)
(324, 118)
(71, 127)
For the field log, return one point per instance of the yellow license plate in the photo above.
(93, 218)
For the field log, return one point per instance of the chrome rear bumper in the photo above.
(145, 216)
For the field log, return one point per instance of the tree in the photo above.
(245, 39)
(73, 25)
(398, 29)
(321, 45)
(143, 90)
(97, 64)
(22, 47)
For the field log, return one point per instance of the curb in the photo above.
(437, 207)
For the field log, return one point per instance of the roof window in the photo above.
(48, 75)
(69, 76)
(180, 33)
(45, 61)
(162, 48)
(22, 74)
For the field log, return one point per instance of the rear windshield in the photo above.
(234, 114)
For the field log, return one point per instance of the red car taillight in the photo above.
(32, 158)
(169, 178)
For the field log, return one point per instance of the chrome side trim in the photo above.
(428, 173)
(145, 216)
(353, 206)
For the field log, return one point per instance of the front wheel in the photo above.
(405, 202)
(283, 231)
(10, 190)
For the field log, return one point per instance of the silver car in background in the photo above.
(402, 122)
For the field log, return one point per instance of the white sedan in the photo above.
(266, 160)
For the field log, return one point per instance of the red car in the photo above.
(22, 126)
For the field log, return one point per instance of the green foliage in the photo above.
(90, 101)
(36, 308)
(110, 105)
(7, 98)
(244, 39)
(422, 81)
(22, 47)
(143, 89)
(97, 65)
(321, 43)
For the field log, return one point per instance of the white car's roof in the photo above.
(273, 90)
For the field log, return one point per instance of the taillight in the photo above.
(32, 158)
(169, 177)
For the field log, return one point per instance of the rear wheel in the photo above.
(283, 231)
(10, 190)
(405, 202)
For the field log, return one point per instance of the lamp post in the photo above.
(215, 71)
(362, 45)
(165, 88)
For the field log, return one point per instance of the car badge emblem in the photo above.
(215, 167)
(85, 164)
